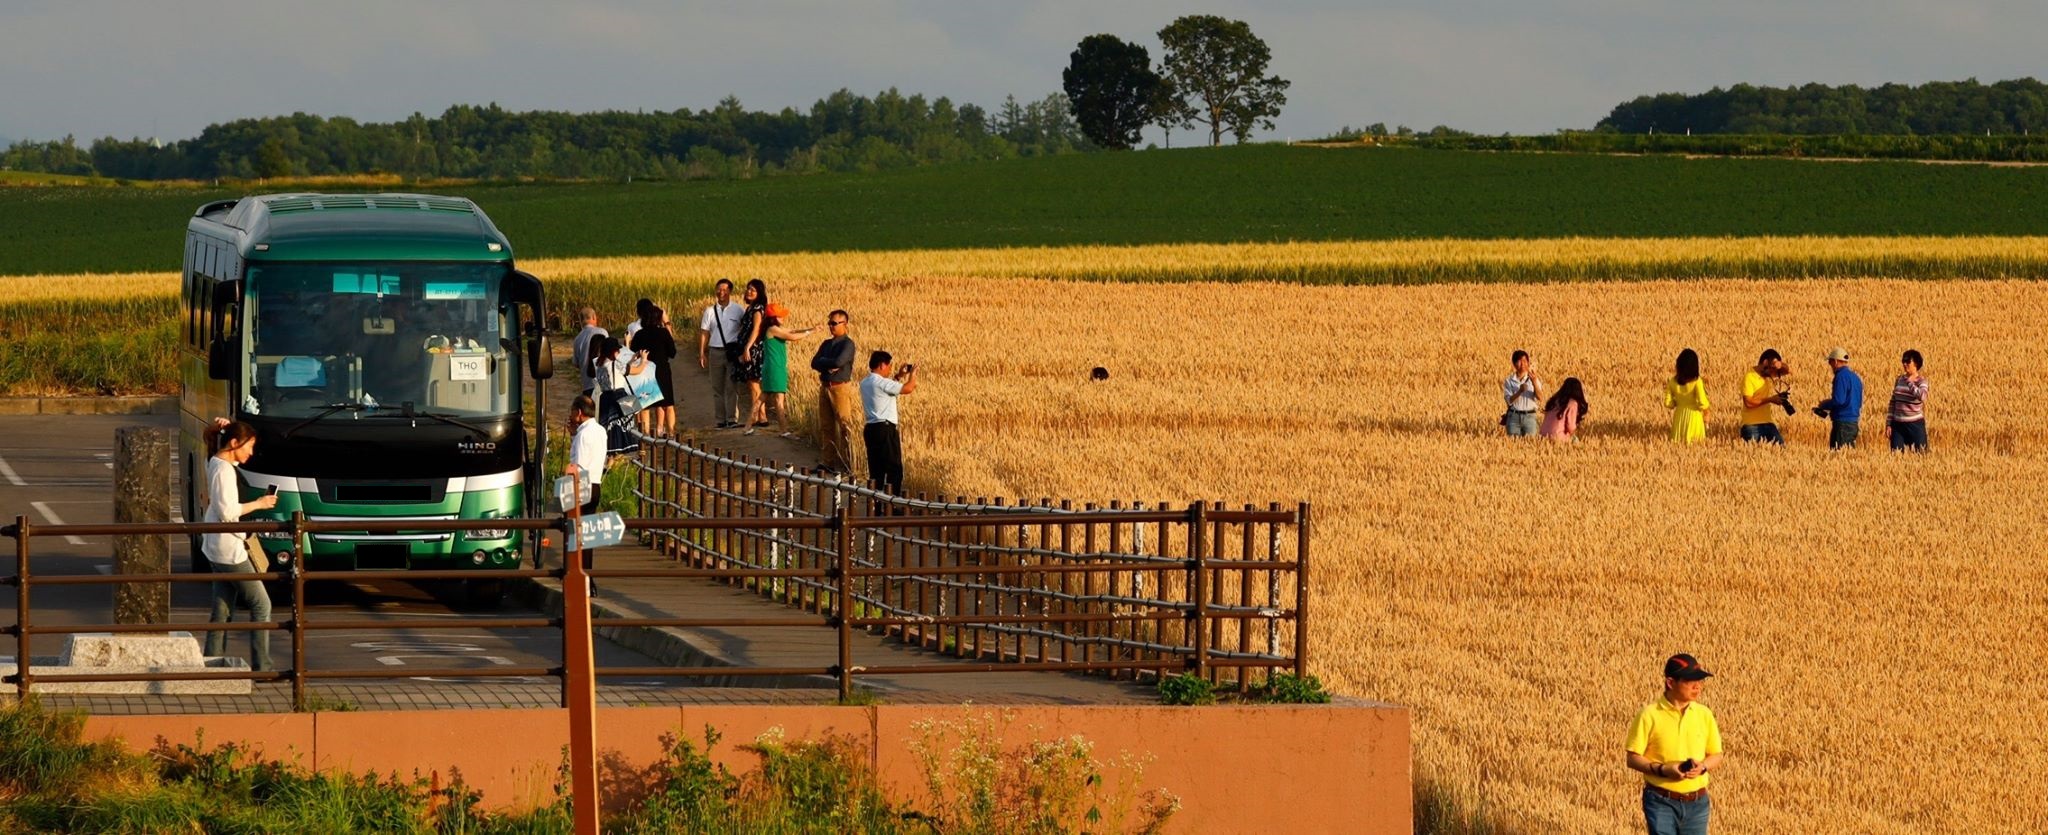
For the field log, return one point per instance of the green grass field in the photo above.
(1255, 193)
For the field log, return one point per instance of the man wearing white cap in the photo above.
(1844, 405)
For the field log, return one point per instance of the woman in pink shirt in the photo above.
(1561, 415)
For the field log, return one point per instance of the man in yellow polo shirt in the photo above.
(1760, 394)
(1674, 743)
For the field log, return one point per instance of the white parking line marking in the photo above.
(44, 508)
(13, 477)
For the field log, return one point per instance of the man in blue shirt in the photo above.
(1844, 405)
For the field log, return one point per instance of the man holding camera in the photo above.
(1674, 742)
(878, 393)
(1761, 392)
(1844, 406)
(1522, 393)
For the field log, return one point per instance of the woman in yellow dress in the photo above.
(1686, 396)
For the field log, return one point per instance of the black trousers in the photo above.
(885, 455)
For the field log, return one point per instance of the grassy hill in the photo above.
(1256, 193)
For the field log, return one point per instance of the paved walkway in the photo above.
(277, 698)
(802, 646)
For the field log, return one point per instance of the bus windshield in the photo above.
(376, 337)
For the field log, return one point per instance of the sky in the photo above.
(136, 68)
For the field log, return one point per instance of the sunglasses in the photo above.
(835, 323)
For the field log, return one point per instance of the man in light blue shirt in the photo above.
(878, 393)
(1844, 405)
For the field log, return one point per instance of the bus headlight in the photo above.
(478, 557)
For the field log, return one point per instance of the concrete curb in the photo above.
(88, 405)
(668, 645)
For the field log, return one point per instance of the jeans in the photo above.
(1664, 816)
(232, 594)
(1521, 424)
(1766, 432)
(1910, 435)
(1843, 434)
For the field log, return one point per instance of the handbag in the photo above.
(257, 558)
(645, 389)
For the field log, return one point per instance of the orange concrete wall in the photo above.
(1310, 768)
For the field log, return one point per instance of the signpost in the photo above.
(578, 656)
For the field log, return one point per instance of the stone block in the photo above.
(101, 649)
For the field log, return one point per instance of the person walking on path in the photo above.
(1521, 392)
(1844, 406)
(1674, 742)
(1564, 410)
(657, 344)
(1761, 393)
(775, 369)
(748, 354)
(1905, 423)
(1686, 396)
(233, 443)
(838, 402)
(878, 393)
(720, 329)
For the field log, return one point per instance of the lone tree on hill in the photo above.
(1223, 65)
(1113, 91)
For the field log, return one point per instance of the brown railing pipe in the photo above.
(844, 607)
(22, 659)
(298, 582)
(1301, 591)
(1198, 585)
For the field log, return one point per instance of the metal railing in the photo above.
(1127, 591)
(1137, 590)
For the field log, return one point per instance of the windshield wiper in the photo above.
(326, 410)
(408, 411)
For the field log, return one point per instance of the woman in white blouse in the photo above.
(233, 443)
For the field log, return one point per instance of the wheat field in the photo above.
(1874, 618)
(1870, 615)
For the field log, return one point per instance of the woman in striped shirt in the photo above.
(1906, 422)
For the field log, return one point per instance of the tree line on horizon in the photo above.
(2017, 106)
(841, 132)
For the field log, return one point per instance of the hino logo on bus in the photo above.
(476, 446)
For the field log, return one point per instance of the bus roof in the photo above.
(354, 227)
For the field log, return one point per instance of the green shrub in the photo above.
(1186, 690)
(1288, 688)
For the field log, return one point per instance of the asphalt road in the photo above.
(59, 469)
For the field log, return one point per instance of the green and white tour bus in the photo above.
(374, 342)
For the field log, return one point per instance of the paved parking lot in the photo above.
(59, 469)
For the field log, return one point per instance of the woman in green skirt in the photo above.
(775, 370)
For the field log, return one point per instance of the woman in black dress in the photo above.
(750, 353)
(654, 342)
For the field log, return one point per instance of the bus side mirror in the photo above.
(540, 358)
(220, 360)
(522, 289)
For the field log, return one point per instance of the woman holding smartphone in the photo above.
(232, 444)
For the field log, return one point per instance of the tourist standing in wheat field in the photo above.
(838, 401)
(879, 392)
(1844, 406)
(1686, 396)
(1674, 742)
(1905, 423)
(1761, 396)
(1521, 392)
(1564, 410)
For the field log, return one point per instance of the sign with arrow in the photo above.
(598, 530)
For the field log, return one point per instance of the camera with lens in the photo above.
(1785, 401)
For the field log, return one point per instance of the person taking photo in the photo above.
(1762, 394)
